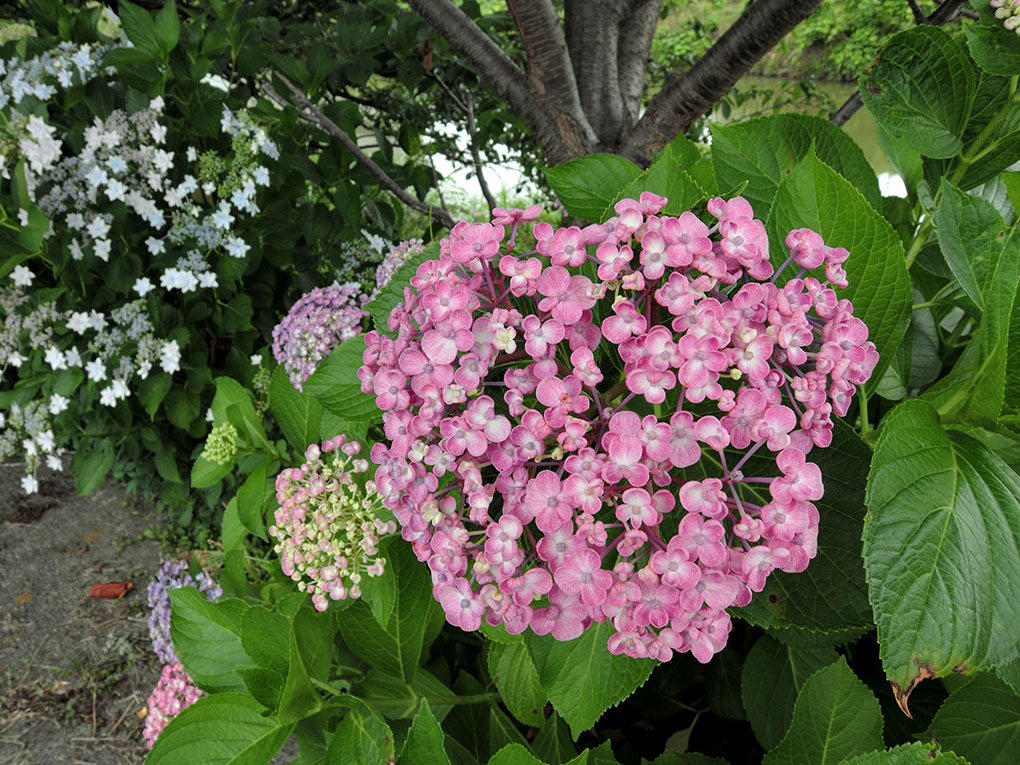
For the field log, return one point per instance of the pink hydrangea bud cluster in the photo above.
(542, 410)
(395, 258)
(318, 322)
(1009, 12)
(172, 695)
(327, 527)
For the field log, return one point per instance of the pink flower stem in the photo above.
(746, 457)
(781, 269)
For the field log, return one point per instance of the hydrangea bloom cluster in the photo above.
(318, 322)
(327, 527)
(174, 693)
(1009, 12)
(395, 258)
(170, 576)
(109, 349)
(614, 426)
(221, 444)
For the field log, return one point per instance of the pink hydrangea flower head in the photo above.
(174, 692)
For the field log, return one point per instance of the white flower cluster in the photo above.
(109, 349)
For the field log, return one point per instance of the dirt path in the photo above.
(75, 672)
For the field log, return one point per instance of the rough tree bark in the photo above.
(581, 91)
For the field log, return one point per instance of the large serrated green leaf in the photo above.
(361, 737)
(222, 729)
(815, 196)
(396, 647)
(772, 677)
(981, 722)
(516, 677)
(207, 638)
(299, 415)
(763, 152)
(583, 679)
(336, 385)
(586, 186)
(835, 717)
(668, 177)
(995, 49)
(917, 753)
(921, 88)
(831, 596)
(424, 742)
(941, 550)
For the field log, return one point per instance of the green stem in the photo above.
(863, 398)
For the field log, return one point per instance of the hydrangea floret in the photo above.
(394, 259)
(327, 527)
(174, 692)
(1009, 12)
(171, 576)
(614, 426)
(221, 444)
(318, 322)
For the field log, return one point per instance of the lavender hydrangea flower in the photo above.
(170, 576)
(316, 324)
(395, 259)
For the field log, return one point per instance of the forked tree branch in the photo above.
(687, 96)
(311, 113)
(559, 133)
(945, 13)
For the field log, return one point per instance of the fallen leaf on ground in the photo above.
(23, 598)
(112, 590)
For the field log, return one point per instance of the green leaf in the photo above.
(138, 27)
(582, 679)
(588, 185)
(553, 743)
(391, 697)
(981, 722)
(917, 753)
(970, 234)
(90, 466)
(835, 717)
(379, 592)
(514, 754)
(393, 293)
(223, 729)
(167, 28)
(337, 387)
(831, 596)
(921, 88)
(995, 49)
(424, 742)
(516, 677)
(773, 675)
(814, 196)
(396, 647)
(206, 472)
(1010, 674)
(502, 730)
(152, 390)
(764, 151)
(207, 638)
(361, 737)
(252, 498)
(668, 177)
(940, 550)
(299, 415)
(265, 638)
(233, 404)
(298, 698)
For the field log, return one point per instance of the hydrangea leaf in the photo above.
(921, 88)
(514, 754)
(814, 196)
(981, 721)
(667, 176)
(502, 730)
(298, 414)
(835, 717)
(393, 293)
(583, 679)
(396, 647)
(831, 595)
(940, 550)
(763, 152)
(207, 638)
(588, 185)
(917, 753)
(553, 743)
(336, 385)
(222, 729)
(995, 49)
(89, 467)
(361, 737)
(516, 677)
(424, 742)
(772, 677)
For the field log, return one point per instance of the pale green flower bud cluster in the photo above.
(221, 445)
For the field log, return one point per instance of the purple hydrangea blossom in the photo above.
(395, 259)
(170, 576)
(318, 322)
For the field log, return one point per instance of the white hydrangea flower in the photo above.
(143, 286)
(96, 370)
(55, 358)
(29, 484)
(57, 404)
(53, 462)
(170, 357)
(21, 276)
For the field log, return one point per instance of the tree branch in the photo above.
(637, 29)
(310, 113)
(549, 67)
(592, 36)
(919, 17)
(559, 134)
(490, 200)
(945, 13)
(686, 97)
